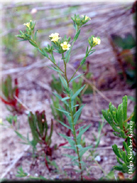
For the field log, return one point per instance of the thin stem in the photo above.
(74, 135)
(78, 68)
(71, 113)
(75, 73)
(77, 29)
(65, 72)
(100, 167)
(52, 57)
(48, 57)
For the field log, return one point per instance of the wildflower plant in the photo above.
(63, 46)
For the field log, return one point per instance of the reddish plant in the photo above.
(10, 95)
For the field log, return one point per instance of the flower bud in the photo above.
(49, 49)
(93, 41)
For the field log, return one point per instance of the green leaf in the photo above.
(75, 77)
(92, 51)
(77, 93)
(117, 134)
(32, 123)
(69, 120)
(20, 136)
(84, 150)
(114, 116)
(51, 131)
(71, 142)
(87, 52)
(118, 40)
(58, 96)
(77, 114)
(45, 53)
(83, 61)
(79, 146)
(75, 106)
(116, 150)
(21, 32)
(35, 45)
(105, 115)
(62, 111)
(123, 168)
(120, 162)
(122, 133)
(77, 35)
(70, 147)
(81, 133)
(65, 98)
(119, 115)
(41, 52)
(124, 157)
(115, 128)
(124, 108)
(71, 157)
(63, 81)
(79, 129)
(129, 41)
(64, 124)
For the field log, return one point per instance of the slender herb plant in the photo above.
(64, 47)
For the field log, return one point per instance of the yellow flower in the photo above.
(96, 41)
(28, 24)
(86, 17)
(55, 37)
(65, 46)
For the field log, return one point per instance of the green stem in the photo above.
(78, 68)
(47, 57)
(100, 167)
(75, 73)
(65, 67)
(52, 57)
(71, 113)
(77, 29)
(74, 134)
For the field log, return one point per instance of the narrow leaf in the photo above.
(77, 35)
(71, 157)
(62, 110)
(70, 147)
(76, 94)
(119, 115)
(71, 142)
(83, 61)
(84, 150)
(81, 133)
(124, 108)
(64, 124)
(65, 98)
(77, 114)
(75, 78)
